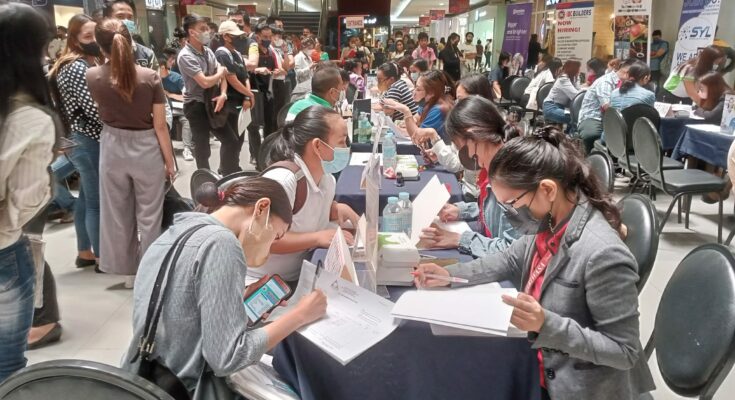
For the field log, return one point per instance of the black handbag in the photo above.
(174, 203)
(216, 119)
(209, 386)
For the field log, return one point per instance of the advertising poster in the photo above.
(574, 27)
(437, 15)
(424, 21)
(458, 6)
(632, 29)
(696, 29)
(517, 29)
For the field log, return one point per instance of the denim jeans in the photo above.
(86, 158)
(554, 112)
(63, 199)
(16, 305)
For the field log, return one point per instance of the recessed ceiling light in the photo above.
(441, 4)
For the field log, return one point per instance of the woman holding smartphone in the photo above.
(578, 299)
(204, 322)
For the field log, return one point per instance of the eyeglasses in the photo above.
(508, 206)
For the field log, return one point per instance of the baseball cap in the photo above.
(229, 28)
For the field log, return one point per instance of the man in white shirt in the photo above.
(469, 52)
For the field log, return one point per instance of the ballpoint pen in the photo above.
(317, 272)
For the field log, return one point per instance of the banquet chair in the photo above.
(576, 106)
(517, 87)
(541, 95)
(616, 130)
(264, 154)
(638, 214)
(78, 379)
(694, 330)
(632, 113)
(505, 91)
(602, 166)
(199, 177)
(678, 182)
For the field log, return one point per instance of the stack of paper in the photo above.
(426, 206)
(356, 318)
(260, 382)
(480, 311)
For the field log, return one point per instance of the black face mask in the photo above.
(524, 223)
(91, 49)
(469, 163)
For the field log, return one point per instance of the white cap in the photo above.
(230, 28)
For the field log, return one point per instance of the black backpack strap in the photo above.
(302, 191)
(158, 295)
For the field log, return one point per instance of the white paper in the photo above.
(261, 381)
(356, 318)
(399, 133)
(459, 227)
(478, 310)
(177, 104)
(426, 206)
(243, 120)
(662, 108)
(338, 260)
(361, 159)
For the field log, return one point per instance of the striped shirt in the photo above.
(400, 92)
(26, 142)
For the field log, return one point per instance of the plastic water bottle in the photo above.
(389, 151)
(392, 217)
(366, 129)
(406, 212)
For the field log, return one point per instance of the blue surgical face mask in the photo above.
(414, 76)
(339, 161)
(131, 26)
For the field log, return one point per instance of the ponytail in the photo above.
(311, 123)
(548, 154)
(283, 147)
(627, 85)
(637, 71)
(115, 40)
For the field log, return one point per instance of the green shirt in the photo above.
(303, 104)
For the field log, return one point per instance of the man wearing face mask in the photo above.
(284, 63)
(303, 64)
(264, 111)
(326, 90)
(659, 50)
(201, 71)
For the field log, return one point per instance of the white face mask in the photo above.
(205, 37)
(278, 42)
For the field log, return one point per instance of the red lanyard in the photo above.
(483, 182)
(537, 271)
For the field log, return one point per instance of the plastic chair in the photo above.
(517, 87)
(694, 331)
(282, 114)
(616, 130)
(639, 215)
(505, 91)
(676, 183)
(602, 166)
(576, 106)
(70, 379)
(264, 154)
(199, 177)
(541, 94)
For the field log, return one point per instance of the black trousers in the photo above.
(264, 114)
(230, 143)
(545, 394)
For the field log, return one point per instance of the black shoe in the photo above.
(98, 270)
(82, 263)
(53, 336)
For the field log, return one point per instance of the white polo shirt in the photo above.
(313, 217)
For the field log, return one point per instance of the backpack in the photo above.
(301, 189)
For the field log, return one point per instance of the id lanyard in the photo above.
(537, 271)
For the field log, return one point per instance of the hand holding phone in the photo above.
(265, 298)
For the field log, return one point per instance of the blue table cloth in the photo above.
(401, 148)
(705, 143)
(671, 130)
(412, 363)
(349, 192)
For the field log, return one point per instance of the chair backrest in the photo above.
(517, 87)
(233, 178)
(602, 167)
(639, 216)
(576, 106)
(615, 130)
(542, 93)
(282, 114)
(505, 86)
(633, 113)
(264, 154)
(647, 148)
(64, 378)
(199, 177)
(694, 332)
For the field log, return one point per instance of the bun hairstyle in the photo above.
(390, 70)
(115, 41)
(636, 73)
(311, 123)
(548, 154)
(243, 193)
(478, 119)
(476, 84)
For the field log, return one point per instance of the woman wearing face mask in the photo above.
(204, 323)
(404, 63)
(349, 52)
(284, 62)
(303, 63)
(711, 90)
(316, 142)
(478, 129)
(399, 52)
(79, 112)
(450, 57)
(433, 94)
(578, 300)
(131, 102)
(417, 68)
(395, 88)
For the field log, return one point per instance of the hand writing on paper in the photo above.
(449, 213)
(438, 238)
(528, 315)
(312, 307)
(324, 238)
(422, 281)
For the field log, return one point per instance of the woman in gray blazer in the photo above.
(577, 280)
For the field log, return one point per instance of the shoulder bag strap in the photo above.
(301, 189)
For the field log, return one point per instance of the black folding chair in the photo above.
(602, 166)
(639, 216)
(576, 106)
(264, 154)
(199, 177)
(541, 94)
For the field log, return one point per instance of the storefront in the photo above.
(374, 28)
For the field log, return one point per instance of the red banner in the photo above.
(248, 8)
(424, 21)
(437, 15)
(458, 6)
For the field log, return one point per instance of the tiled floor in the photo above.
(96, 309)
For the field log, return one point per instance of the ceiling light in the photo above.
(441, 4)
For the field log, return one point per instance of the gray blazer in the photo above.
(590, 337)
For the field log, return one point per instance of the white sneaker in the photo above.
(621, 180)
(187, 154)
(129, 281)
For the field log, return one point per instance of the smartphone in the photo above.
(266, 298)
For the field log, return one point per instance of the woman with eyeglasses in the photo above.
(395, 88)
(578, 299)
(478, 129)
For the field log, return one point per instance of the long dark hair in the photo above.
(24, 34)
(477, 118)
(704, 61)
(598, 66)
(245, 193)
(636, 73)
(716, 88)
(114, 39)
(439, 86)
(548, 154)
(554, 66)
(476, 84)
(73, 50)
(311, 123)
(571, 69)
